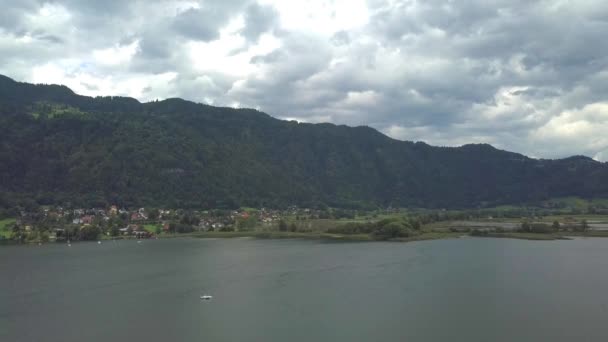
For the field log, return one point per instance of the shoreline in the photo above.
(429, 235)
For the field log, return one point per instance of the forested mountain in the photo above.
(58, 147)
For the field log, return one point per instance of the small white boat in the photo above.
(206, 297)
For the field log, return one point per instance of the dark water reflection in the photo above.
(270, 290)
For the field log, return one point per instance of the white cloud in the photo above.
(357, 99)
(50, 17)
(321, 16)
(229, 54)
(577, 130)
(116, 55)
(68, 73)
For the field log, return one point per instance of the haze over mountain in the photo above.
(59, 147)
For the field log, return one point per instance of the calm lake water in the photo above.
(290, 290)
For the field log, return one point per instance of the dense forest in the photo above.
(61, 148)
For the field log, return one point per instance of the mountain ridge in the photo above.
(62, 147)
(193, 103)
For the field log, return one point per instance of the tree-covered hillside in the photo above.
(61, 148)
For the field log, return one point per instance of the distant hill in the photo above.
(58, 147)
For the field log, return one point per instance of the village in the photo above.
(49, 224)
(58, 223)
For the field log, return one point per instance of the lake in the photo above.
(468, 289)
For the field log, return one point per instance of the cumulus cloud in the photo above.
(528, 76)
(258, 19)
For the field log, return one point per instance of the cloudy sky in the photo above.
(524, 75)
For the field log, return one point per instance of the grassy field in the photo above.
(151, 227)
(4, 227)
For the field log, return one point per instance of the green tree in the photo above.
(541, 228)
(172, 227)
(415, 223)
(526, 227)
(183, 228)
(189, 219)
(282, 226)
(43, 236)
(248, 223)
(389, 229)
(584, 225)
(153, 215)
(90, 232)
